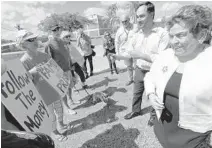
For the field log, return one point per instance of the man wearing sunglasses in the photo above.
(122, 38)
(28, 41)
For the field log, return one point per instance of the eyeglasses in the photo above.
(68, 36)
(56, 29)
(31, 40)
(124, 22)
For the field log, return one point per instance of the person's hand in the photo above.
(155, 102)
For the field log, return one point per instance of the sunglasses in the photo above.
(124, 22)
(56, 29)
(68, 36)
(31, 40)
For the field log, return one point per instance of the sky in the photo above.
(30, 13)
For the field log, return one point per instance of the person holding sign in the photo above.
(57, 50)
(14, 135)
(28, 41)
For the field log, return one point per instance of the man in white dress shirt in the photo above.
(144, 47)
(122, 39)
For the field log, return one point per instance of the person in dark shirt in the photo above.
(109, 46)
(57, 50)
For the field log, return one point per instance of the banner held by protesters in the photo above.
(54, 75)
(22, 99)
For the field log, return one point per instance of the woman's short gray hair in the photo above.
(196, 17)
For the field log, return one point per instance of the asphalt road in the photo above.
(99, 126)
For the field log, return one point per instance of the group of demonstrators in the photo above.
(170, 64)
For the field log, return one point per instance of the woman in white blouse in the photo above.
(179, 84)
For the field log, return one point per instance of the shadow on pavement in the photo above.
(106, 115)
(104, 82)
(109, 92)
(116, 137)
(108, 70)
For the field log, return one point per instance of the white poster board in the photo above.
(55, 76)
(22, 99)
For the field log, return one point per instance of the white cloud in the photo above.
(108, 3)
(5, 7)
(43, 2)
(123, 4)
(170, 8)
(98, 11)
(53, 2)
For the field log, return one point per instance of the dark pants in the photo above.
(79, 71)
(138, 89)
(90, 60)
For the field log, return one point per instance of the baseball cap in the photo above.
(24, 35)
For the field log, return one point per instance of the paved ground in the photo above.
(91, 127)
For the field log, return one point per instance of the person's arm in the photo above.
(78, 41)
(136, 54)
(105, 47)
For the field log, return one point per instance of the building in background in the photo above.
(98, 28)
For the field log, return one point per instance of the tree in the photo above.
(113, 16)
(67, 21)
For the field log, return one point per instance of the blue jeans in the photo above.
(138, 89)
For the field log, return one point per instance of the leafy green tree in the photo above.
(112, 14)
(66, 20)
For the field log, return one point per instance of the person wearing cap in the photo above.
(109, 46)
(28, 41)
(56, 49)
(84, 42)
(122, 38)
(77, 58)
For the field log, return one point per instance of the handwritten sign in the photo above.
(55, 76)
(22, 99)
